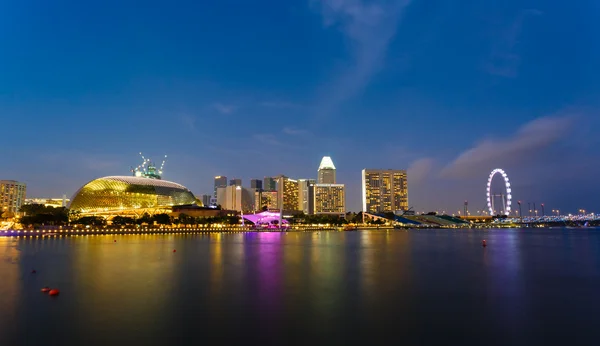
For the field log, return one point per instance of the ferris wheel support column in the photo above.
(503, 205)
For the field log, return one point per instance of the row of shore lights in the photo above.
(113, 230)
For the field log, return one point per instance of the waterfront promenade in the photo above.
(49, 232)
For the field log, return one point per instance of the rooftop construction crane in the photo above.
(147, 169)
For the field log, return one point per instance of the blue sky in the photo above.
(446, 89)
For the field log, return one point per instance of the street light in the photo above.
(543, 212)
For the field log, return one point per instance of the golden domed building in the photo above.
(144, 192)
(122, 195)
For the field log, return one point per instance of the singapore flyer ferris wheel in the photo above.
(505, 194)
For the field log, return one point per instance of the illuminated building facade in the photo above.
(287, 193)
(236, 198)
(220, 181)
(12, 196)
(49, 202)
(384, 190)
(328, 199)
(265, 200)
(326, 171)
(122, 195)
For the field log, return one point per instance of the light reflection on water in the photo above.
(334, 287)
(10, 282)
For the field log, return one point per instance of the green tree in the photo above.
(232, 220)
(144, 219)
(162, 219)
(122, 221)
(40, 214)
(91, 221)
(358, 218)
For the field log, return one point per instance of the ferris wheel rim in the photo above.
(508, 206)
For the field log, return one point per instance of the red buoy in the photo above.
(54, 292)
(33, 271)
(483, 243)
(174, 250)
(45, 289)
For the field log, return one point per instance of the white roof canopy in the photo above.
(326, 163)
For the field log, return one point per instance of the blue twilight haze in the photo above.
(447, 89)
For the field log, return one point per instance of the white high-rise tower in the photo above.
(326, 171)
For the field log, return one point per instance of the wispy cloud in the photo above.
(289, 130)
(524, 145)
(223, 108)
(504, 61)
(370, 26)
(265, 138)
(419, 170)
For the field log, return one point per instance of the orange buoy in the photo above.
(54, 292)
(45, 289)
(483, 243)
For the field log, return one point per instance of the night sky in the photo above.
(447, 89)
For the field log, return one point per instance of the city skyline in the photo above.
(427, 87)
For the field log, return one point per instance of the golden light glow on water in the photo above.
(10, 280)
(381, 254)
(216, 262)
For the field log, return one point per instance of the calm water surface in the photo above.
(528, 287)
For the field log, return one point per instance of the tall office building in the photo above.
(287, 193)
(328, 199)
(326, 171)
(265, 200)
(269, 184)
(304, 197)
(256, 184)
(220, 181)
(236, 198)
(12, 196)
(384, 190)
(235, 182)
(206, 199)
(222, 196)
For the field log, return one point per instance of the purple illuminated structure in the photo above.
(266, 219)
